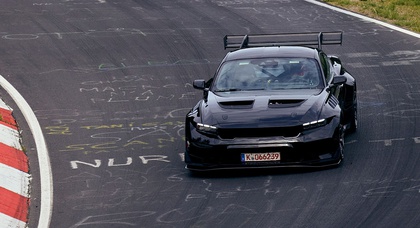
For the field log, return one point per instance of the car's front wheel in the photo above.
(353, 113)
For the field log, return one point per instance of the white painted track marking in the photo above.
(365, 18)
(12, 222)
(42, 151)
(4, 105)
(10, 137)
(14, 180)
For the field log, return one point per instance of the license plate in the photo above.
(256, 157)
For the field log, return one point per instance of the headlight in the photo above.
(204, 128)
(314, 124)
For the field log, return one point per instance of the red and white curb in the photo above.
(14, 173)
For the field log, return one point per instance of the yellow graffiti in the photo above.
(96, 152)
(161, 141)
(135, 142)
(58, 130)
(153, 135)
(85, 146)
(150, 124)
(104, 146)
(112, 126)
(76, 147)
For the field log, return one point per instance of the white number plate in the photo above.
(256, 157)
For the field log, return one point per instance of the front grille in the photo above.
(259, 132)
(300, 152)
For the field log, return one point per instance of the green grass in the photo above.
(402, 13)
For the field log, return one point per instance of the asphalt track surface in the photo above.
(110, 82)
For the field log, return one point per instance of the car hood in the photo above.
(267, 109)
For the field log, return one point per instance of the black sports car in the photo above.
(275, 102)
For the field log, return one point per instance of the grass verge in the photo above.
(402, 13)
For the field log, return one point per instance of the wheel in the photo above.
(339, 136)
(353, 122)
(353, 118)
(342, 146)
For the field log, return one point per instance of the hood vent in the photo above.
(237, 104)
(284, 103)
(333, 101)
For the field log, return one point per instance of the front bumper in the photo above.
(316, 148)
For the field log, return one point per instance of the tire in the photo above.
(353, 119)
(341, 145)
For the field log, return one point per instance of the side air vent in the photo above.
(333, 102)
(284, 103)
(237, 104)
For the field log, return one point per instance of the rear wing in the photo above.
(283, 39)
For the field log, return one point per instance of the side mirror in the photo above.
(336, 81)
(339, 80)
(199, 84)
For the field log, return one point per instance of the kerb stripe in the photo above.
(13, 157)
(10, 137)
(13, 205)
(7, 221)
(7, 119)
(14, 180)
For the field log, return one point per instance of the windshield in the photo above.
(268, 74)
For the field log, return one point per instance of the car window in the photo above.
(268, 74)
(326, 67)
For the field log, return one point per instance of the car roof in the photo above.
(273, 51)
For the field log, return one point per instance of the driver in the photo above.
(295, 71)
(291, 72)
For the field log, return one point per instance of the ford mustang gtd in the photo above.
(274, 101)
